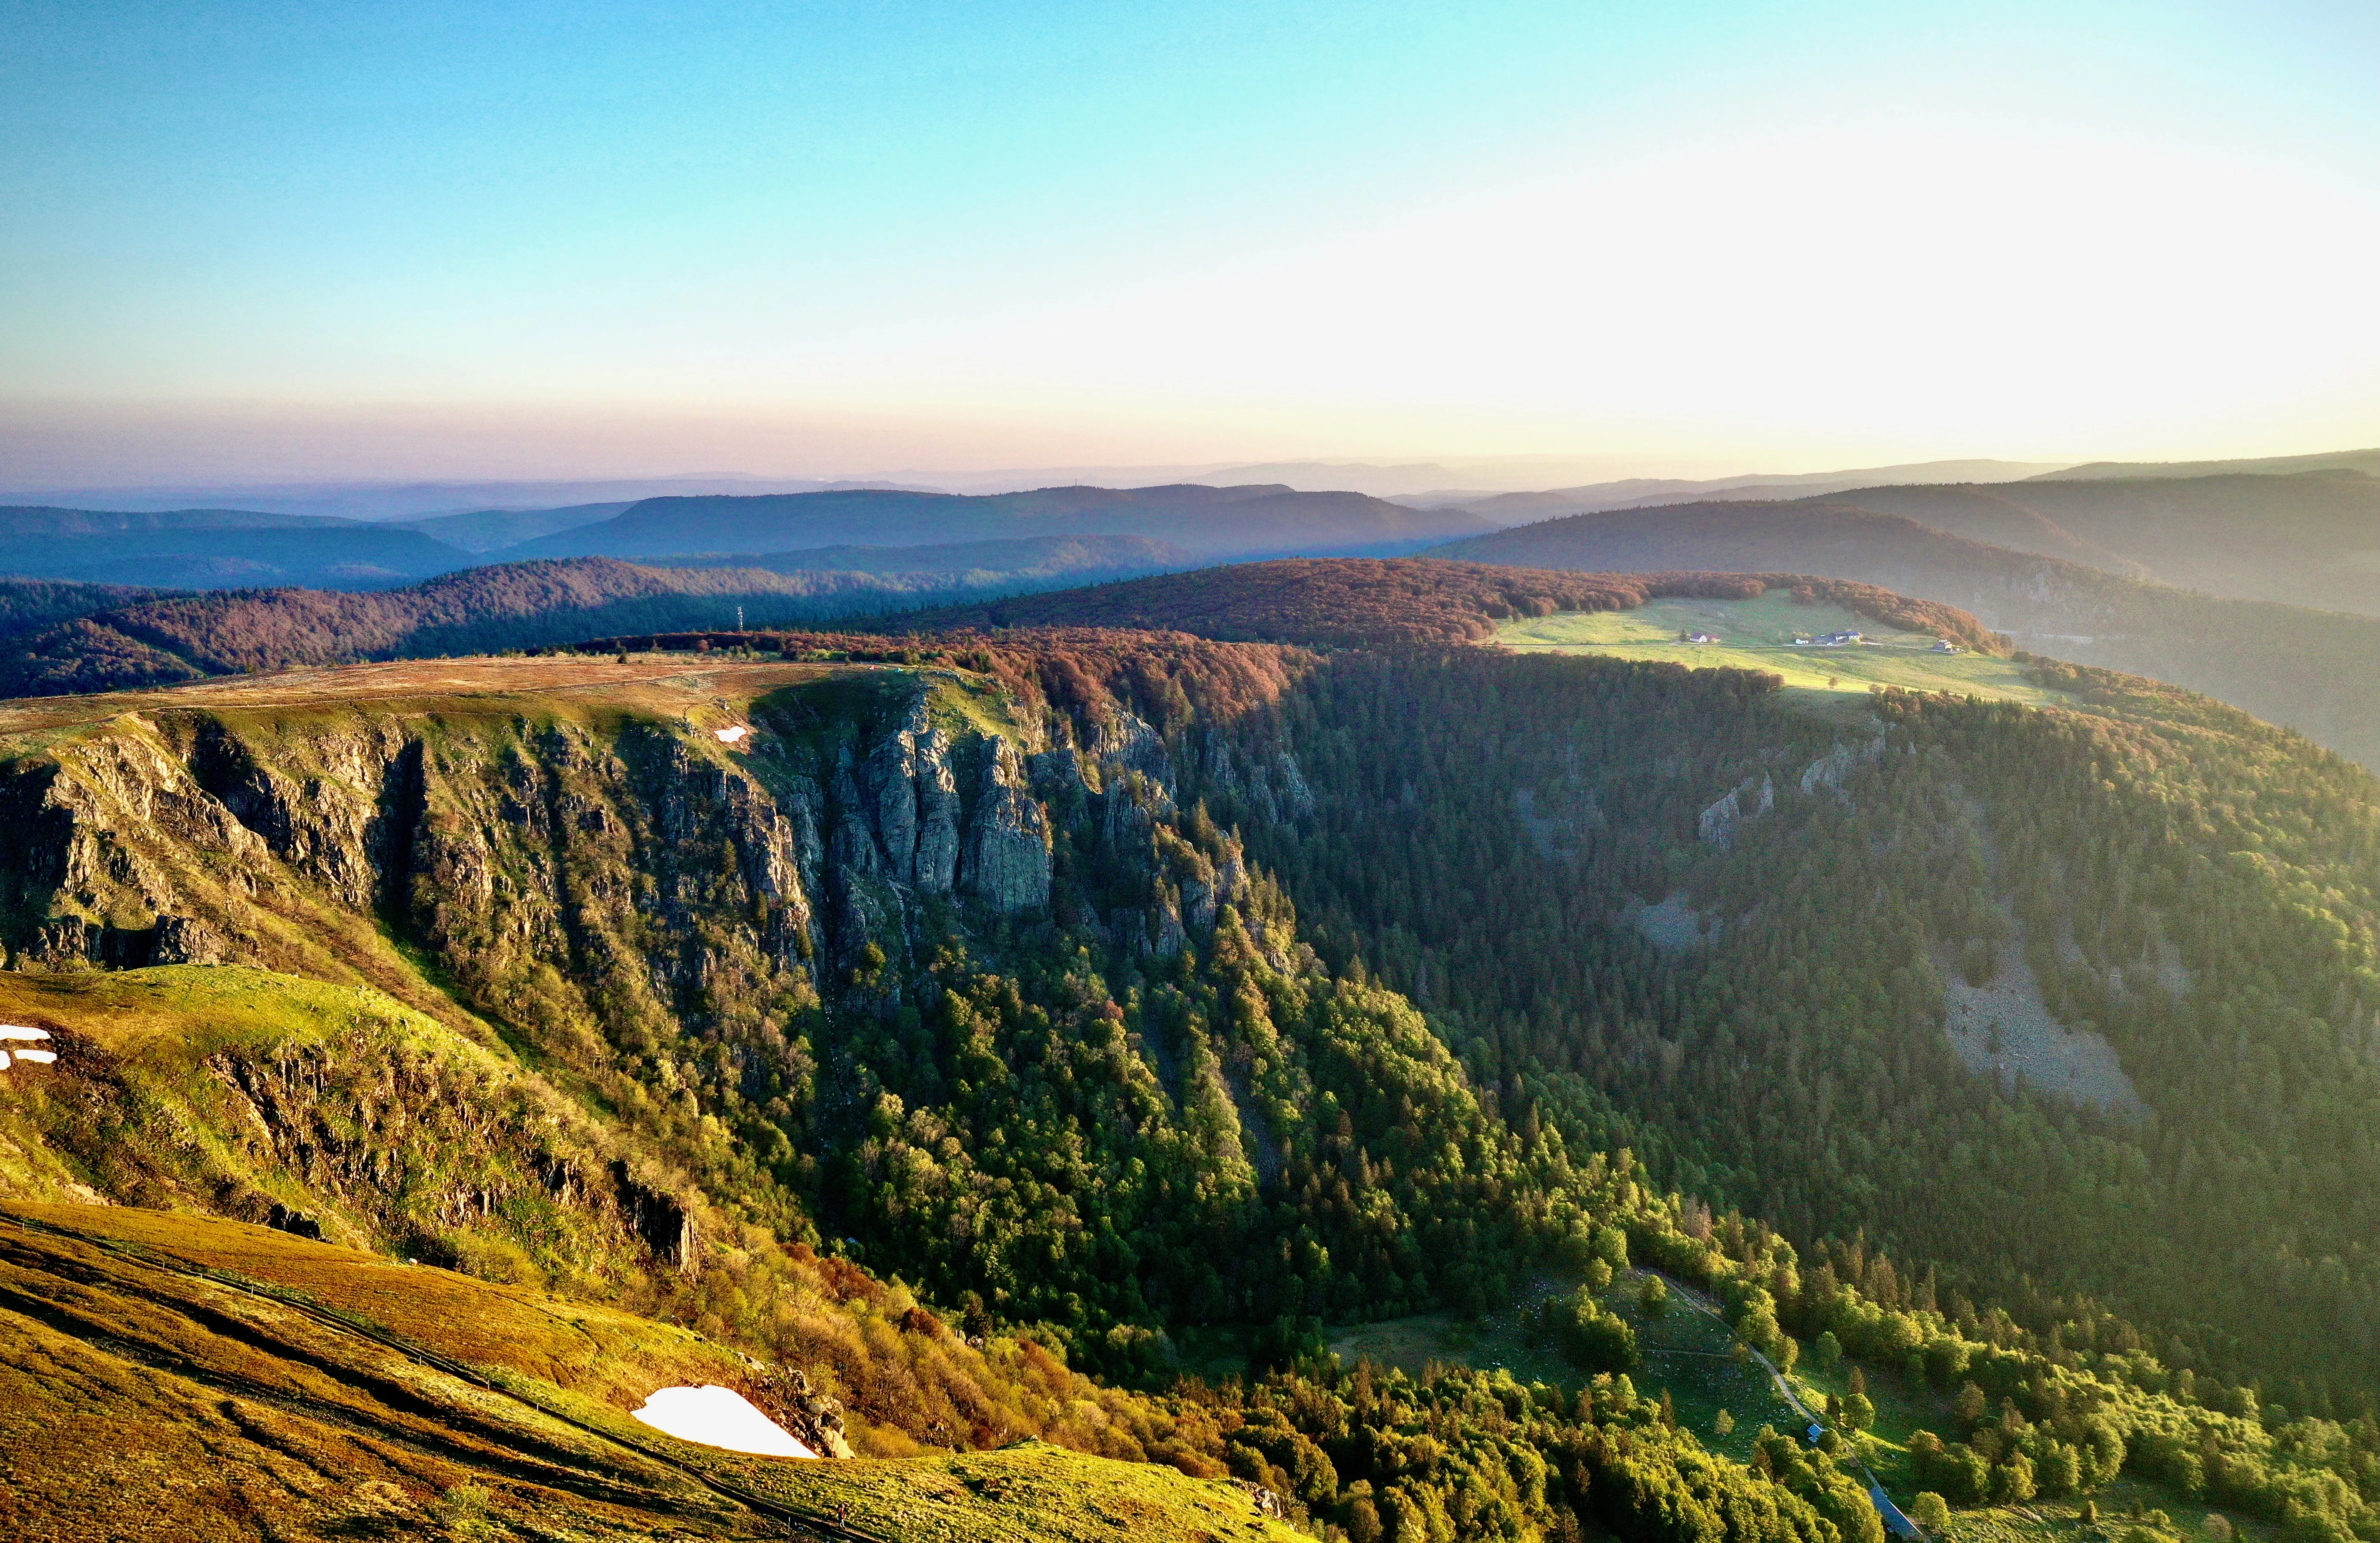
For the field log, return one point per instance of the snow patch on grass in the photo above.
(719, 1418)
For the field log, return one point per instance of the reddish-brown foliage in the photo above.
(1075, 658)
(1085, 673)
(1358, 603)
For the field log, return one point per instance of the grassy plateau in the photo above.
(1758, 635)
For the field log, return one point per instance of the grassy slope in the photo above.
(151, 1033)
(177, 1376)
(2286, 664)
(1756, 635)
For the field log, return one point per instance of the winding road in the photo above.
(1895, 1520)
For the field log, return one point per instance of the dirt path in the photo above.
(1784, 1390)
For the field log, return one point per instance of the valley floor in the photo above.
(1690, 1354)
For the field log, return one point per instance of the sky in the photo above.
(589, 239)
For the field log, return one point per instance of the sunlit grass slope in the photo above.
(386, 1114)
(167, 1375)
(1757, 635)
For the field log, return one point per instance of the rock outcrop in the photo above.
(1718, 823)
(1829, 771)
(1005, 862)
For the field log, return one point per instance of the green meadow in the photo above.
(1758, 635)
(1690, 1354)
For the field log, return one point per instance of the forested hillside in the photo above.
(110, 639)
(32, 606)
(1355, 602)
(1104, 987)
(1792, 1059)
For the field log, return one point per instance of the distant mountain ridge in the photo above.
(2365, 461)
(398, 503)
(1209, 523)
(215, 548)
(1514, 508)
(2305, 537)
(489, 530)
(18, 520)
(1087, 555)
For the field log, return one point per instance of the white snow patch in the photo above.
(44, 1057)
(19, 1031)
(728, 737)
(719, 1418)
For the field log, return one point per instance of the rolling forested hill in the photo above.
(58, 638)
(212, 549)
(1355, 602)
(1211, 523)
(2310, 539)
(32, 605)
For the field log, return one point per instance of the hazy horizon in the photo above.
(1385, 477)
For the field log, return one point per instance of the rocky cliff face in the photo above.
(636, 878)
(189, 838)
(725, 954)
(1006, 859)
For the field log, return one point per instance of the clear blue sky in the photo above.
(1698, 231)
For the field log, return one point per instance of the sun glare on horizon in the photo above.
(849, 244)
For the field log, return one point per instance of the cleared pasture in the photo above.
(1758, 635)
